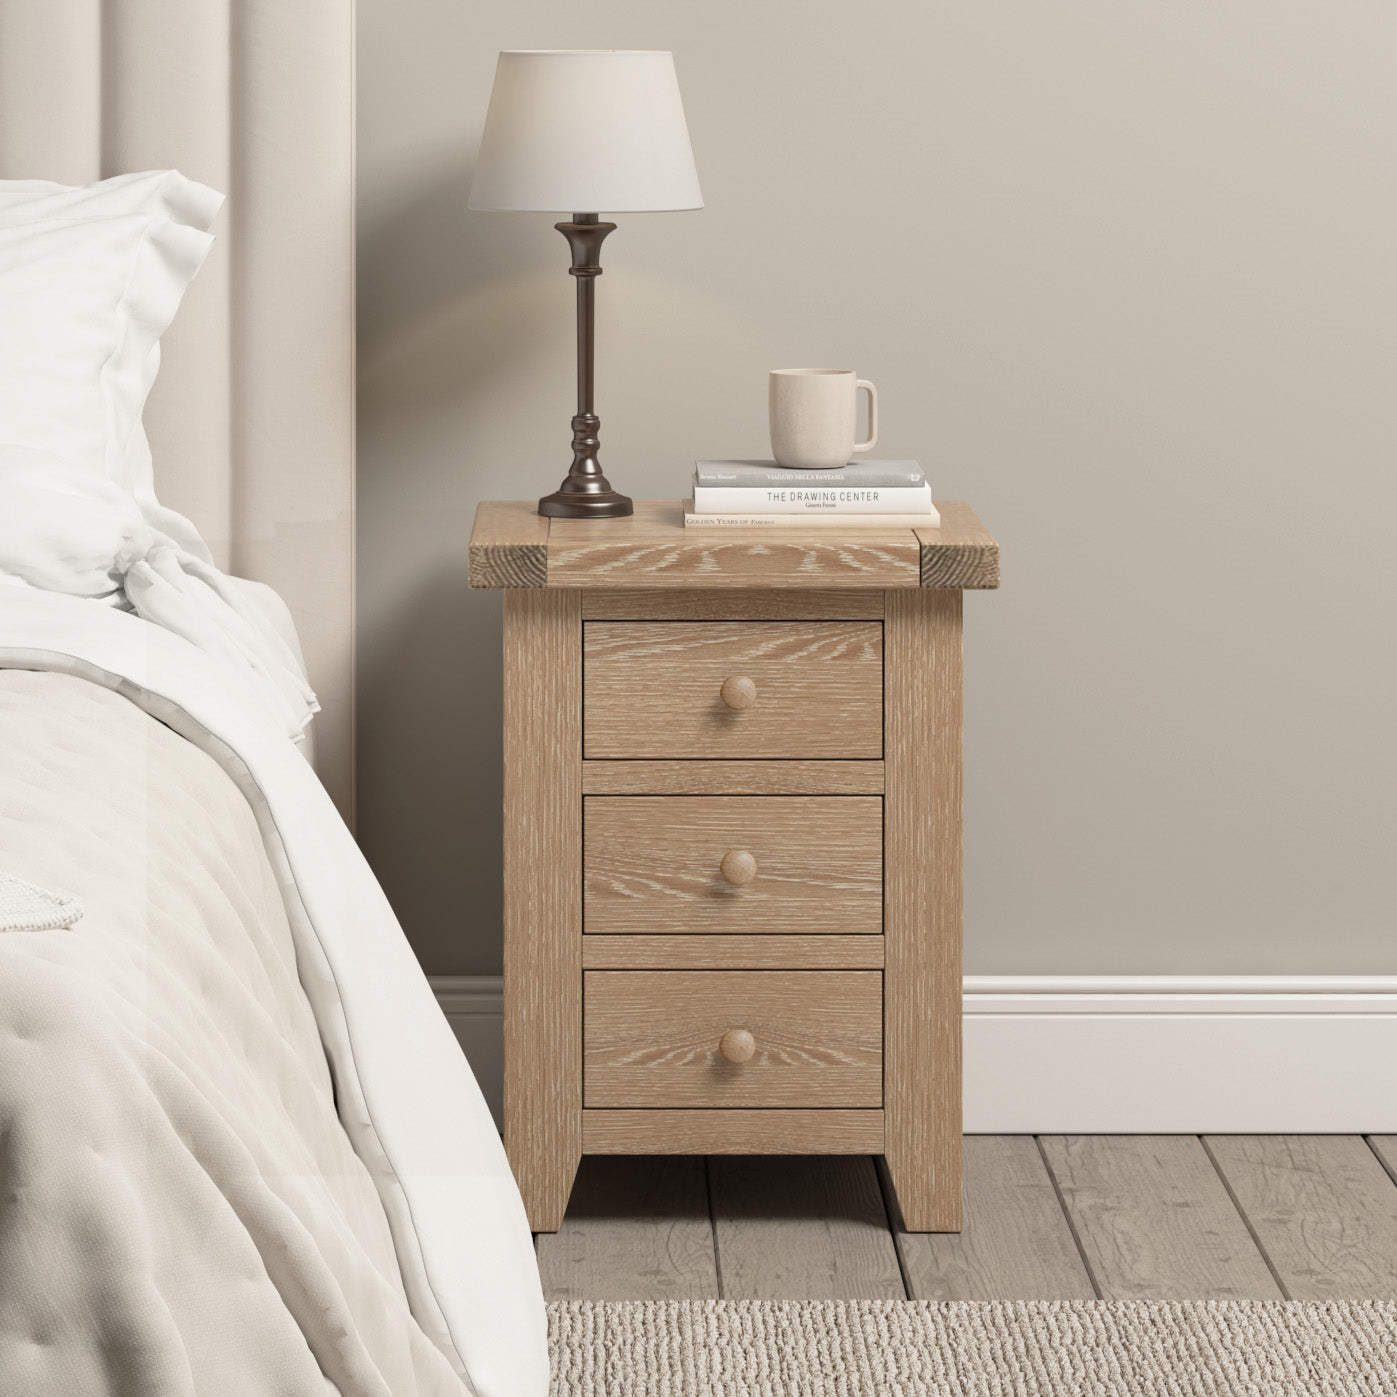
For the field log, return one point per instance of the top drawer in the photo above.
(720, 689)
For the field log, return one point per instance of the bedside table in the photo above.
(732, 842)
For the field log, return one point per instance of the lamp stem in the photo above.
(586, 493)
(586, 339)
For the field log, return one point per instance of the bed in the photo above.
(240, 1149)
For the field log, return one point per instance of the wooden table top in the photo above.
(512, 545)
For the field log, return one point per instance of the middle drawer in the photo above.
(737, 865)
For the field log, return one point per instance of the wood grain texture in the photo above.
(732, 952)
(1322, 1207)
(637, 1228)
(1154, 1219)
(652, 865)
(802, 1229)
(1015, 1242)
(652, 689)
(735, 778)
(653, 549)
(744, 604)
(543, 896)
(922, 909)
(652, 554)
(961, 553)
(650, 1038)
(508, 546)
(732, 1132)
(620, 1245)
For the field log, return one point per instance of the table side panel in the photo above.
(922, 911)
(543, 896)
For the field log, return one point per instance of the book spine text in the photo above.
(792, 500)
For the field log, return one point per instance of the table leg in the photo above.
(922, 905)
(543, 896)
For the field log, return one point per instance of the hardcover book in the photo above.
(807, 499)
(765, 474)
(851, 523)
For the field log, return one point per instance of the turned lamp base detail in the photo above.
(586, 493)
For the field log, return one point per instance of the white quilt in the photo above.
(185, 1205)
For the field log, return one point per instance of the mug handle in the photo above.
(872, 414)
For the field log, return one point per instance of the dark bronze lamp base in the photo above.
(566, 504)
(586, 493)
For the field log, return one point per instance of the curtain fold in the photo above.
(166, 94)
(51, 90)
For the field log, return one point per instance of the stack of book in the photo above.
(760, 494)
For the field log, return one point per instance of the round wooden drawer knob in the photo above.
(737, 1045)
(738, 692)
(738, 867)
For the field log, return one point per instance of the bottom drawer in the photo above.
(746, 1038)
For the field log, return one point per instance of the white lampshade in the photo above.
(585, 132)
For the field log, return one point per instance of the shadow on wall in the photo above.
(430, 823)
(444, 327)
(439, 303)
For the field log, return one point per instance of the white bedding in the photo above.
(63, 529)
(90, 278)
(181, 1210)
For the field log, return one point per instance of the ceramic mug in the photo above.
(814, 417)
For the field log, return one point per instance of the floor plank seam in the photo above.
(1138, 1217)
(1246, 1221)
(880, 1174)
(713, 1225)
(1067, 1216)
(1381, 1158)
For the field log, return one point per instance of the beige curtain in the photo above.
(252, 419)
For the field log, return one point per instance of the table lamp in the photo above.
(585, 132)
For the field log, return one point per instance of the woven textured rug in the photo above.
(1042, 1348)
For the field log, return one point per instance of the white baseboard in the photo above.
(1153, 1054)
(1186, 1054)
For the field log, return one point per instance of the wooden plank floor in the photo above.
(1119, 1217)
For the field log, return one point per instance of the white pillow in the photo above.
(164, 192)
(90, 278)
(83, 303)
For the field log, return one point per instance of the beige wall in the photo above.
(1124, 275)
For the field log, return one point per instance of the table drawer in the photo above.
(720, 689)
(734, 1038)
(740, 865)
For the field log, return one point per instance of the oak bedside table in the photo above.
(732, 842)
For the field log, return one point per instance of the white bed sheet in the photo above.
(405, 1094)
